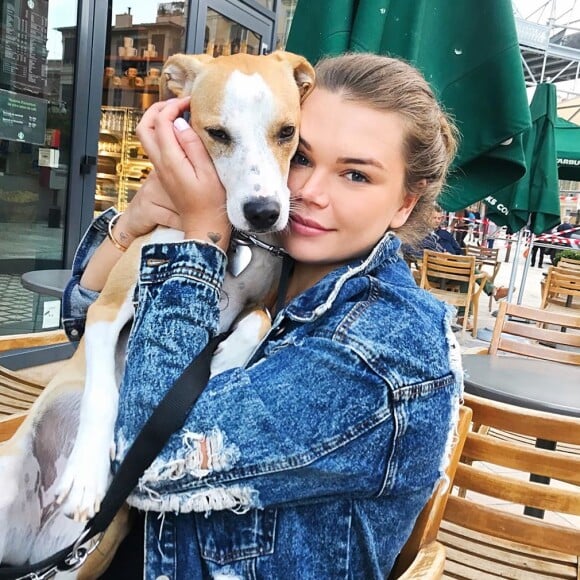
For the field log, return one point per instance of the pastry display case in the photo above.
(122, 163)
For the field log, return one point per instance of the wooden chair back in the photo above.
(485, 257)
(427, 524)
(16, 392)
(453, 279)
(486, 540)
(522, 330)
(561, 290)
(569, 264)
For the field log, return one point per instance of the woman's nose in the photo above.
(313, 190)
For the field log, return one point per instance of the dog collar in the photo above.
(240, 251)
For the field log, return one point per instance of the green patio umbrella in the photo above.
(469, 52)
(568, 149)
(535, 197)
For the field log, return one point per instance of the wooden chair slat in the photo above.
(18, 341)
(462, 538)
(522, 457)
(526, 422)
(523, 529)
(522, 492)
(9, 425)
(510, 566)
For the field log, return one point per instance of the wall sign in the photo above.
(22, 118)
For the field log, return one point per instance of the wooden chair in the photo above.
(422, 557)
(486, 257)
(561, 290)
(483, 540)
(16, 392)
(522, 330)
(454, 280)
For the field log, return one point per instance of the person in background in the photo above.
(491, 233)
(315, 458)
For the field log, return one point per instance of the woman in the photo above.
(314, 460)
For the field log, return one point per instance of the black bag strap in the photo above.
(167, 418)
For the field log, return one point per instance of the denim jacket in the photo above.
(321, 451)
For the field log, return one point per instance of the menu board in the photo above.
(23, 37)
(22, 118)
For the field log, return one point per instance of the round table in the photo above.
(46, 282)
(529, 383)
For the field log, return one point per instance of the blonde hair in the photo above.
(390, 84)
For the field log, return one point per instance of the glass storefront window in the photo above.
(285, 16)
(224, 36)
(141, 37)
(266, 3)
(37, 55)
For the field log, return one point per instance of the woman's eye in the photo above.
(357, 177)
(299, 159)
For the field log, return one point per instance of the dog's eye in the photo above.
(286, 133)
(219, 135)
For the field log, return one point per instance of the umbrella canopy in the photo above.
(535, 197)
(467, 50)
(568, 149)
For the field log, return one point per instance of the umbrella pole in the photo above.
(515, 266)
(526, 268)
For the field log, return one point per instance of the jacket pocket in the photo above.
(225, 537)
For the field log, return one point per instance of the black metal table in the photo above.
(46, 282)
(530, 383)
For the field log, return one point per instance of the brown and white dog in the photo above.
(54, 472)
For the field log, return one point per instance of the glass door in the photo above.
(38, 48)
(140, 37)
(227, 27)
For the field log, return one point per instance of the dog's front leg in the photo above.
(86, 477)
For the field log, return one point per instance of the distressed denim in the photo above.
(321, 451)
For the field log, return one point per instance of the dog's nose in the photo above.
(262, 215)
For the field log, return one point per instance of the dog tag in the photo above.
(239, 259)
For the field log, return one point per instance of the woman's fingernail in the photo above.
(181, 124)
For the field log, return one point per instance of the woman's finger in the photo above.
(155, 130)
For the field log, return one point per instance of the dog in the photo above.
(56, 468)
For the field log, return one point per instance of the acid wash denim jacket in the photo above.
(322, 450)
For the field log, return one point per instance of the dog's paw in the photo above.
(82, 485)
(236, 350)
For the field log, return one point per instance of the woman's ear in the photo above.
(404, 211)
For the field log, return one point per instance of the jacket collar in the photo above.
(317, 300)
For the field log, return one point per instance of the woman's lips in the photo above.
(306, 227)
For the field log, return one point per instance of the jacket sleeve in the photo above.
(76, 299)
(308, 420)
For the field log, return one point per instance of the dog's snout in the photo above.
(262, 215)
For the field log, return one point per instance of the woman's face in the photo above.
(346, 180)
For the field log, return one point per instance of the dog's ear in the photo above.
(179, 73)
(303, 71)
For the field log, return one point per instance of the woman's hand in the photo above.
(185, 171)
(151, 207)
